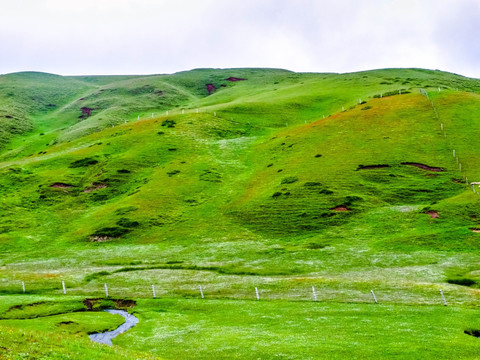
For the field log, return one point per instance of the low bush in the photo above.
(127, 223)
(289, 180)
(169, 123)
(83, 162)
(462, 281)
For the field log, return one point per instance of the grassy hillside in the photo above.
(242, 178)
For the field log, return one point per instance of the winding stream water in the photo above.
(106, 337)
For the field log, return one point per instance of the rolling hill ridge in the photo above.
(242, 178)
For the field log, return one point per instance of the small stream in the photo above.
(106, 337)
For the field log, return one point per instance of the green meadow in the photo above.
(316, 189)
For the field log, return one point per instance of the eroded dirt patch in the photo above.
(60, 185)
(475, 230)
(231, 78)
(101, 238)
(100, 303)
(340, 208)
(424, 167)
(210, 88)
(95, 186)
(432, 213)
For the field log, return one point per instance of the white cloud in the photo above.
(152, 36)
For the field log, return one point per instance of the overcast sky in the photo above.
(165, 36)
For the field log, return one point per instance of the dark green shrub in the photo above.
(462, 281)
(127, 223)
(289, 180)
(169, 123)
(173, 172)
(312, 183)
(83, 162)
(326, 192)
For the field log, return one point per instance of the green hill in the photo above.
(243, 178)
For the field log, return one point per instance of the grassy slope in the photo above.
(196, 198)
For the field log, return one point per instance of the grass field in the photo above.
(281, 181)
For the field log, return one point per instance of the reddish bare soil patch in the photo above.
(95, 303)
(86, 112)
(340, 208)
(432, 213)
(210, 88)
(457, 181)
(369, 167)
(424, 167)
(124, 303)
(231, 78)
(94, 186)
(59, 185)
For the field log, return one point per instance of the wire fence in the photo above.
(316, 291)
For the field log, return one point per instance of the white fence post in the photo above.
(443, 297)
(63, 286)
(314, 294)
(374, 297)
(256, 293)
(153, 291)
(106, 290)
(201, 291)
(23, 286)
